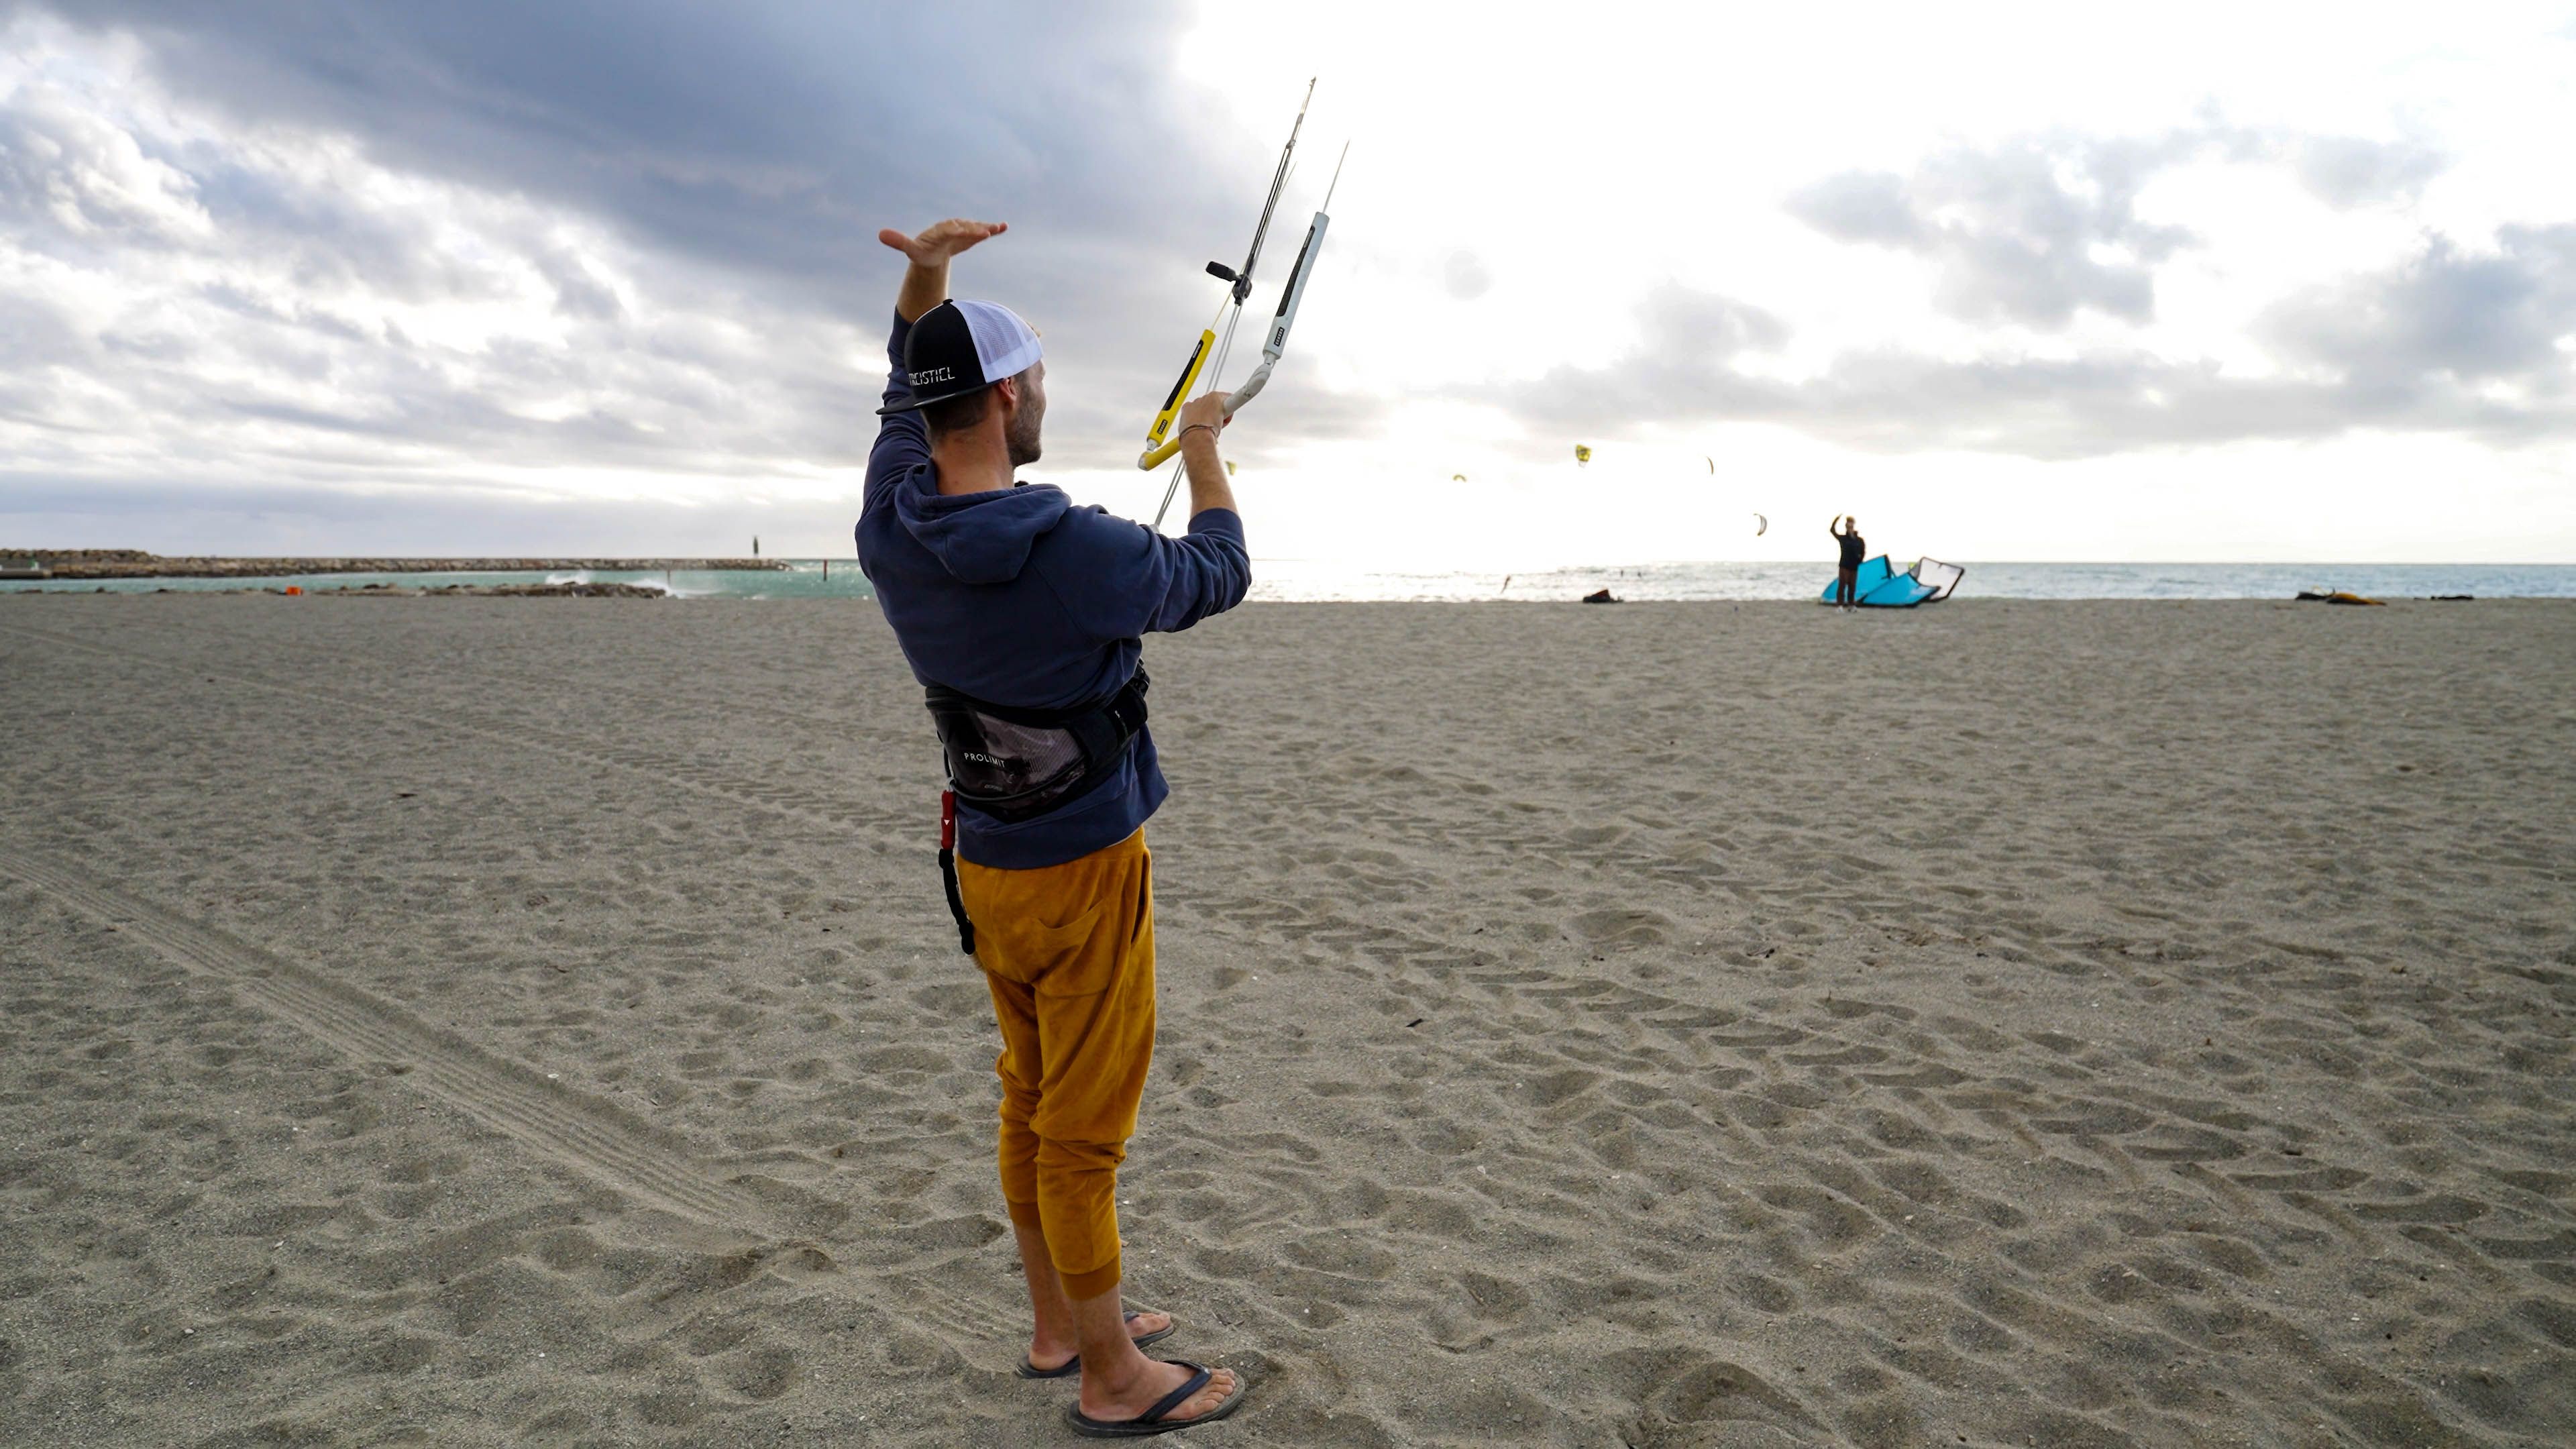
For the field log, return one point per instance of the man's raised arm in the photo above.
(902, 442)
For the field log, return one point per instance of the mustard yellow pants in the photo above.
(1068, 951)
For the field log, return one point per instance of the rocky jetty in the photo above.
(133, 563)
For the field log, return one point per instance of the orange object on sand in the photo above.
(294, 589)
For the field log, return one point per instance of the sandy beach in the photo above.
(505, 1022)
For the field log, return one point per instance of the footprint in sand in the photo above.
(1621, 927)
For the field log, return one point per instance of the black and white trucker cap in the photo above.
(962, 347)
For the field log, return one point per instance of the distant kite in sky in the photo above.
(1761, 525)
(1582, 453)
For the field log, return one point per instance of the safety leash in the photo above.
(948, 870)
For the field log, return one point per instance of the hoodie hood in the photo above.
(980, 538)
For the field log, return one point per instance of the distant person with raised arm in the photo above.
(1847, 575)
(1021, 616)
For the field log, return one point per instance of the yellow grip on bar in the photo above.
(1180, 394)
(1156, 457)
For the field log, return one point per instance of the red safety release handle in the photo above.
(948, 820)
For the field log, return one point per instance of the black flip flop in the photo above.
(1152, 1421)
(1073, 1366)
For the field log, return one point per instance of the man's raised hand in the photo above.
(925, 282)
(941, 240)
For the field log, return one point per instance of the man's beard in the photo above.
(1021, 437)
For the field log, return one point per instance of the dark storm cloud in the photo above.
(751, 150)
(766, 139)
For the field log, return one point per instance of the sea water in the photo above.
(801, 579)
(1313, 579)
(1320, 579)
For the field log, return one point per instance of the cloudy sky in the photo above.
(2049, 282)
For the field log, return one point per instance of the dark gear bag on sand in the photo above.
(1018, 764)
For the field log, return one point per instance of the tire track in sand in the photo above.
(596, 1138)
(565, 1126)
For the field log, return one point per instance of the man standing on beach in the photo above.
(1847, 573)
(1022, 614)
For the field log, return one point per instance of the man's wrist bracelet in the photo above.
(1194, 427)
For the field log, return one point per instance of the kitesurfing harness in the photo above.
(1017, 764)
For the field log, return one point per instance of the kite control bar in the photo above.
(1159, 444)
(1158, 452)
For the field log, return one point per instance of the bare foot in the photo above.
(1047, 1355)
(1112, 1404)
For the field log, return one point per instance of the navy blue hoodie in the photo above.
(1018, 597)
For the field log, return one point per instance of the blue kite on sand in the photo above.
(1880, 586)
